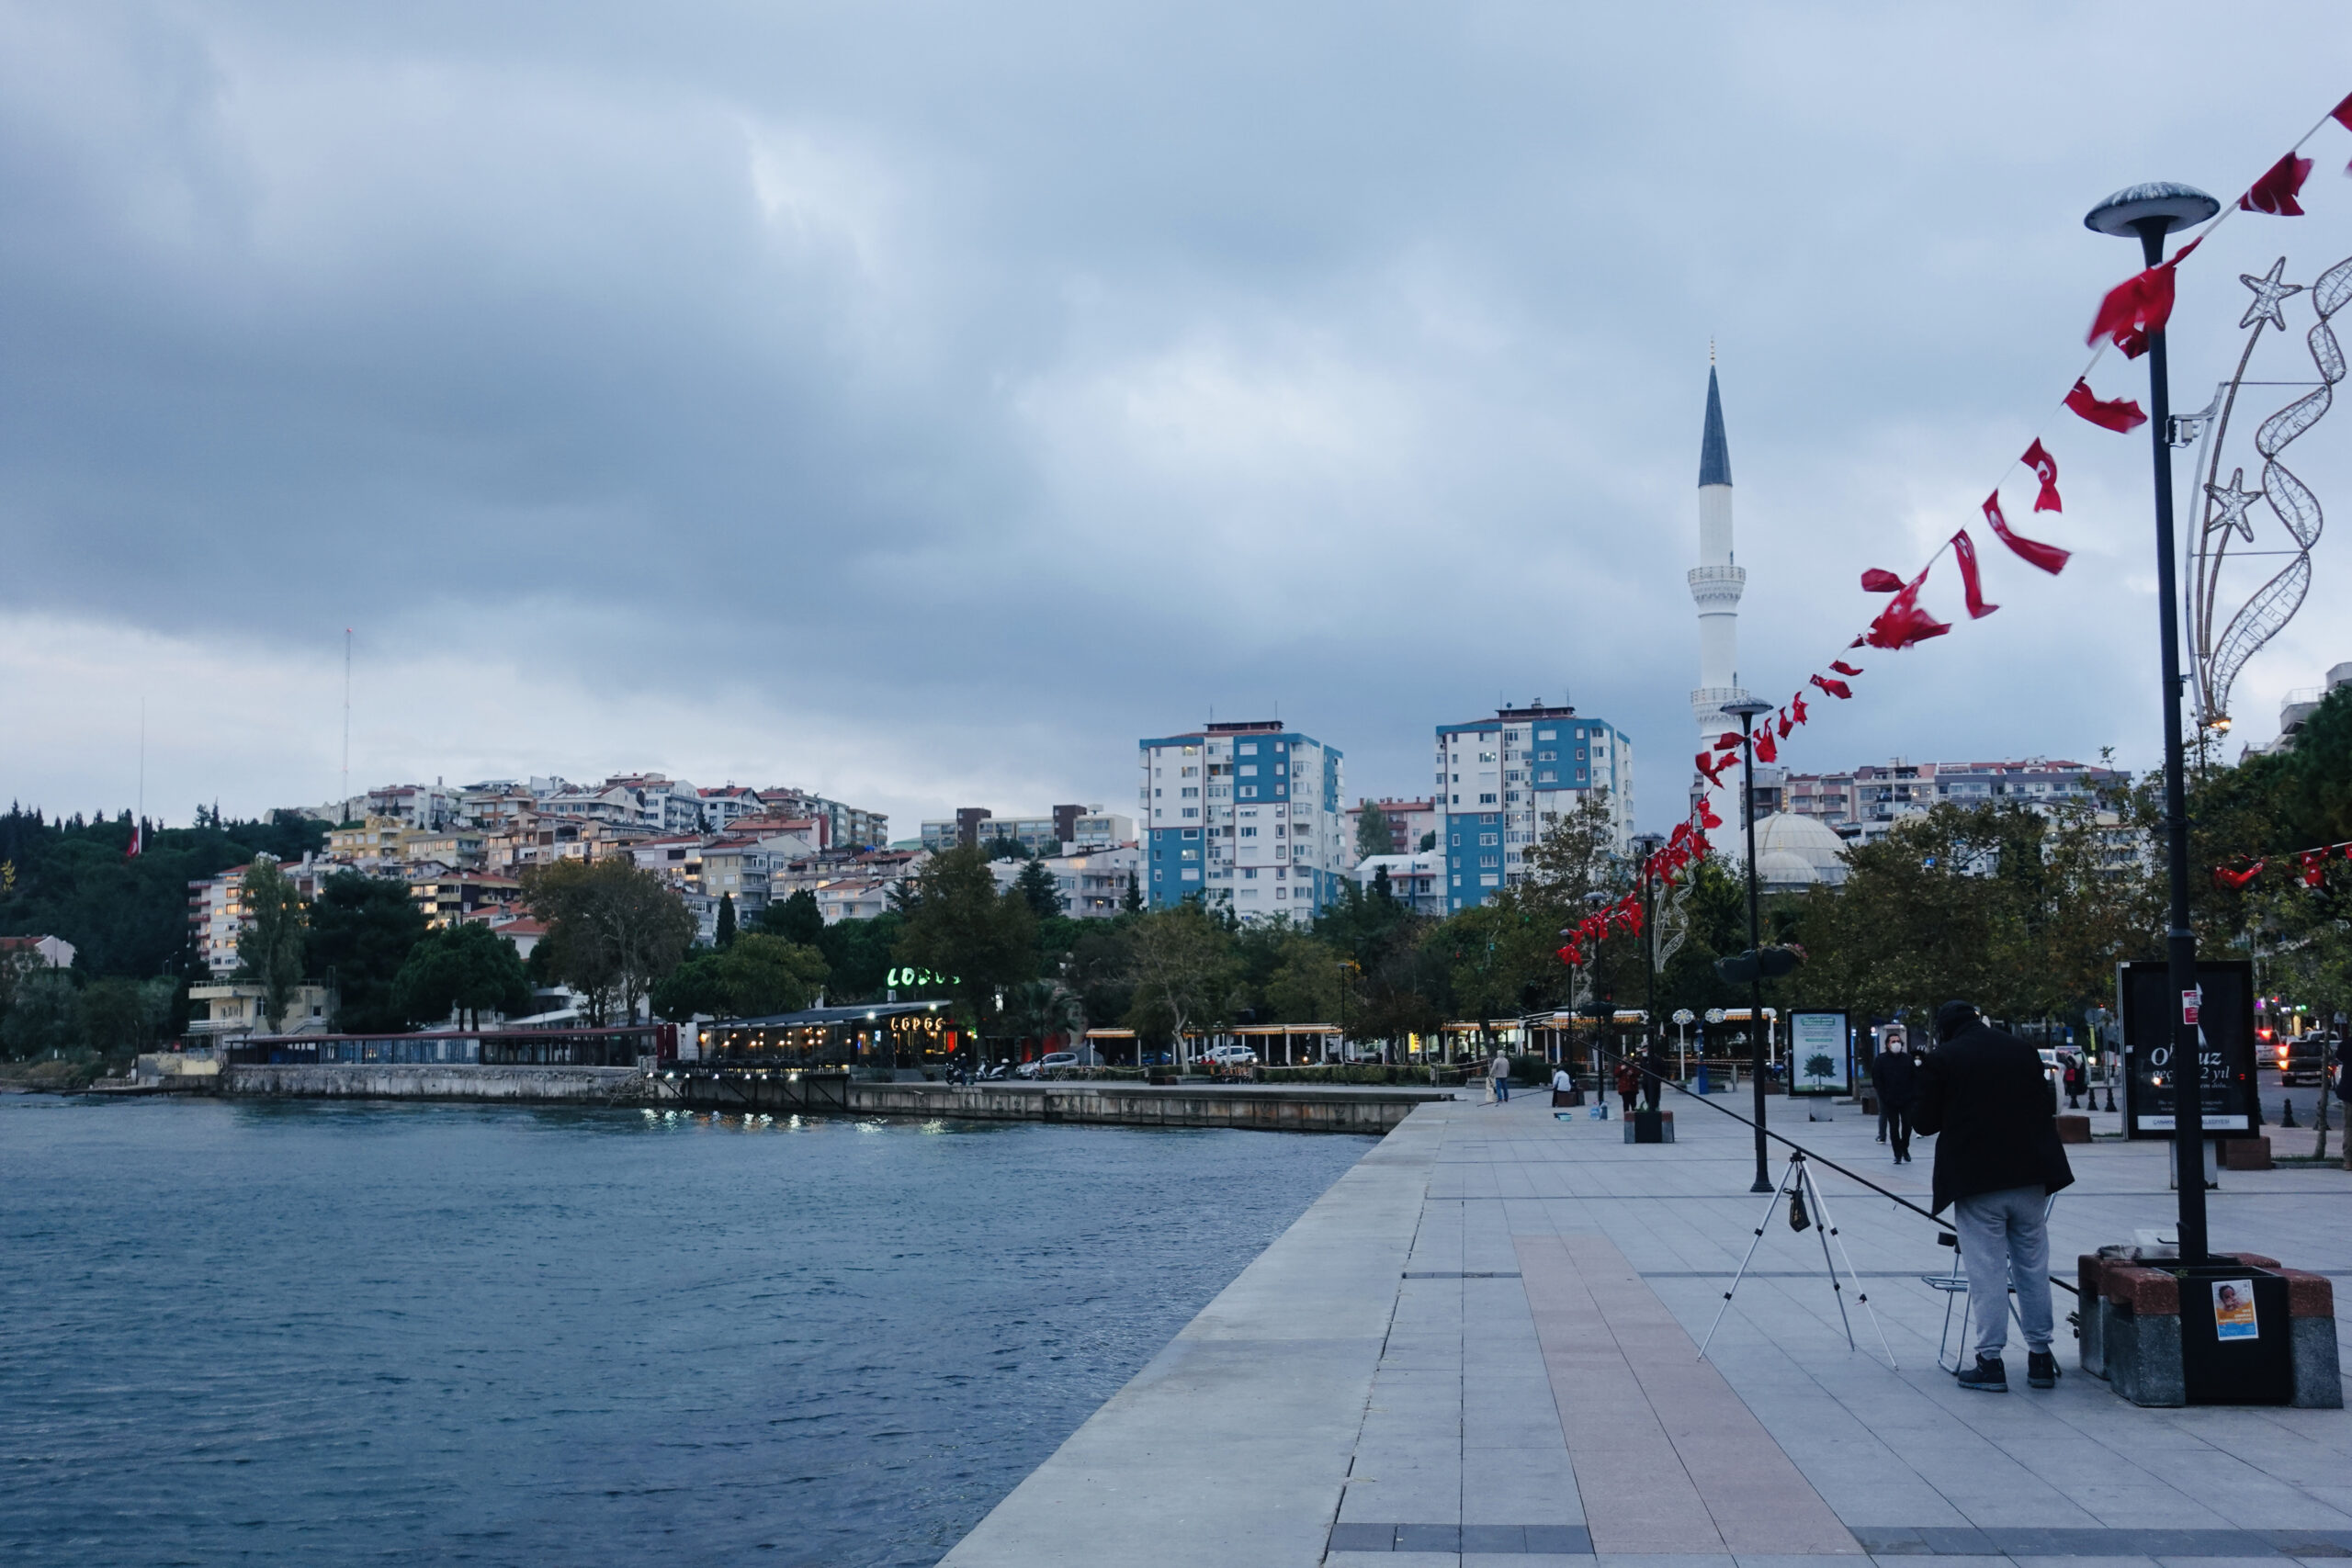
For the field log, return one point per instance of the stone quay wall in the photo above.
(1260, 1110)
(451, 1080)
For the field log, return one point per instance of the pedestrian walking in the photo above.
(1499, 1074)
(1894, 1073)
(1653, 1075)
(1629, 1083)
(2074, 1084)
(1983, 1097)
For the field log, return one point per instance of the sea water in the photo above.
(318, 1333)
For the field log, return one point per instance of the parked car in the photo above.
(1229, 1057)
(1362, 1050)
(1051, 1060)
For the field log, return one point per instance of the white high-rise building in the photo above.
(1245, 817)
(1716, 584)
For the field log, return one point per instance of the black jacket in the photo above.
(1984, 1092)
(1896, 1076)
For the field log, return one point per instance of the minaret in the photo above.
(1715, 586)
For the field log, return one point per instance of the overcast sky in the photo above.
(921, 403)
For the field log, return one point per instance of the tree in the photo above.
(613, 929)
(724, 937)
(797, 918)
(361, 931)
(1375, 834)
(1429, 841)
(859, 953)
(1040, 891)
(1131, 901)
(466, 968)
(1308, 986)
(44, 1016)
(962, 927)
(121, 1018)
(1184, 970)
(756, 976)
(1039, 1010)
(269, 949)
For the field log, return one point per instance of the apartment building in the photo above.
(1245, 817)
(448, 898)
(1504, 781)
(418, 806)
(1417, 881)
(1409, 820)
(845, 824)
(1061, 828)
(215, 908)
(1861, 805)
(1093, 881)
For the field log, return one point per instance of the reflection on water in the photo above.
(317, 1333)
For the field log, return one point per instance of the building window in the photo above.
(1249, 792)
(1488, 819)
(1192, 811)
(1487, 799)
(1547, 734)
(1249, 832)
(1547, 776)
(1456, 841)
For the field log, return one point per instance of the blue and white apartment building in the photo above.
(1247, 815)
(1503, 782)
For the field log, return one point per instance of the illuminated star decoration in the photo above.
(2232, 501)
(2268, 295)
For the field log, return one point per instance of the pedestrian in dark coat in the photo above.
(1895, 1074)
(1629, 1083)
(1654, 1075)
(1983, 1097)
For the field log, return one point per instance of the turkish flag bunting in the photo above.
(1902, 623)
(2135, 308)
(2045, 469)
(1796, 704)
(1835, 688)
(1966, 548)
(2229, 878)
(2049, 557)
(1727, 741)
(2315, 867)
(2118, 414)
(1681, 831)
(2342, 113)
(1707, 819)
(1712, 769)
(1766, 750)
(1785, 725)
(1843, 668)
(1876, 580)
(2275, 191)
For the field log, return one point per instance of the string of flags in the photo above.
(2128, 316)
(2310, 867)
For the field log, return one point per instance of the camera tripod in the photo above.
(1799, 1188)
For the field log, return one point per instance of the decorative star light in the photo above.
(2269, 293)
(2231, 501)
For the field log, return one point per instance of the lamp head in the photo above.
(1747, 707)
(2176, 206)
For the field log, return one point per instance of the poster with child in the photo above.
(2233, 1310)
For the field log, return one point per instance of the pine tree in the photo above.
(1131, 902)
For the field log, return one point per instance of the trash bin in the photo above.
(2236, 1343)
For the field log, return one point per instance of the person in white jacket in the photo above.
(1499, 1072)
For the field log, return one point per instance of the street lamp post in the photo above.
(1647, 845)
(1747, 708)
(2151, 212)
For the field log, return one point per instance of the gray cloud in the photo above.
(848, 384)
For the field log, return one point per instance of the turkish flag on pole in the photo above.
(138, 840)
(2049, 557)
(2118, 414)
(1966, 548)
(2275, 191)
(2045, 469)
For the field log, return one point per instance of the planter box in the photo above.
(2073, 1129)
(2246, 1154)
(2148, 1329)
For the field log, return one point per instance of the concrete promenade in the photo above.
(1479, 1349)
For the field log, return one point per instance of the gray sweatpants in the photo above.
(2005, 1239)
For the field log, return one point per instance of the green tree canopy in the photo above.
(465, 968)
(962, 927)
(361, 931)
(723, 935)
(1186, 973)
(1375, 835)
(756, 976)
(797, 918)
(1039, 890)
(270, 948)
(44, 1015)
(613, 929)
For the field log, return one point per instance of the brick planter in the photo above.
(2131, 1332)
(2246, 1154)
(2074, 1128)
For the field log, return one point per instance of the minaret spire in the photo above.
(1716, 584)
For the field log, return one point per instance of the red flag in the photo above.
(2045, 469)
(1796, 705)
(2049, 557)
(1877, 580)
(1966, 548)
(1572, 955)
(2135, 308)
(1712, 769)
(2315, 867)
(1681, 831)
(2275, 191)
(1785, 725)
(1835, 688)
(2229, 878)
(2118, 414)
(2342, 113)
(1902, 623)
(1766, 749)
(1727, 741)
(1843, 668)
(138, 840)
(1707, 819)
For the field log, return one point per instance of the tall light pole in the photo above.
(1747, 708)
(2151, 212)
(1647, 845)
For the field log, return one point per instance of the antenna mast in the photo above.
(346, 724)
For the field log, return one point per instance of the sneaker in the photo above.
(2041, 1369)
(1987, 1376)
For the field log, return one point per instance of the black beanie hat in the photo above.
(1954, 1017)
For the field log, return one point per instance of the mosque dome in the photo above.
(1794, 853)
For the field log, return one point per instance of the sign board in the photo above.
(1821, 1057)
(2221, 1011)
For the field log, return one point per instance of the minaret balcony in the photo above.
(1717, 586)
